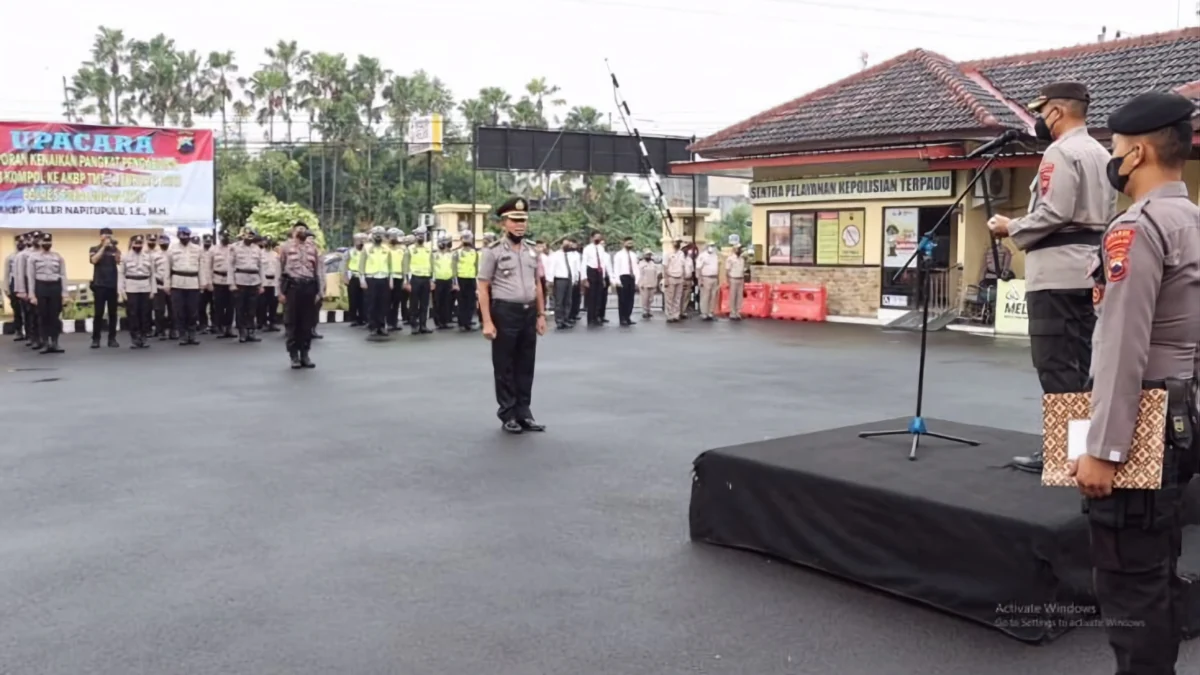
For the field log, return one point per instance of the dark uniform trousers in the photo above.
(418, 308)
(395, 302)
(562, 300)
(49, 307)
(246, 302)
(18, 309)
(406, 315)
(206, 309)
(33, 328)
(268, 307)
(1060, 338)
(597, 295)
(443, 302)
(377, 303)
(576, 301)
(1136, 541)
(185, 304)
(164, 313)
(355, 291)
(300, 312)
(467, 302)
(137, 311)
(106, 305)
(625, 296)
(222, 306)
(514, 352)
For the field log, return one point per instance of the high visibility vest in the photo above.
(468, 261)
(355, 259)
(377, 261)
(443, 268)
(397, 261)
(420, 264)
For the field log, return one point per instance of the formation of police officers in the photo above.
(1113, 309)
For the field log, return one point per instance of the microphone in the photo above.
(997, 142)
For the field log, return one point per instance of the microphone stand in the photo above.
(925, 247)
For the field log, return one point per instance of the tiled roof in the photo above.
(920, 96)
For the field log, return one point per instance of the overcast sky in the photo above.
(685, 66)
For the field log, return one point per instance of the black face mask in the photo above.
(224, 241)
(207, 245)
(45, 247)
(21, 246)
(1042, 130)
(152, 245)
(184, 240)
(628, 247)
(596, 242)
(137, 249)
(302, 236)
(377, 239)
(1113, 170)
(515, 238)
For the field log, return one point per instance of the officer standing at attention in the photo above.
(406, 316)
(1146, 293)
(10, 286)
(466, 269)
(443, 284)
(206, 292)
(303, 290)
(161, 301)
(735, 275)
(673, 269)
(396, 250)
(135, 285)
(708, 268)
(375, 276)
(104, 258)
(268, 304)
(1071, 204)
(514, 315)
(222, 282)
(185, 277)
(46, 276)
(247, 273)
(354, 291)
(648, 278)
(25, 293)
(419, 266)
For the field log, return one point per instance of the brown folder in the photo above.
(1065, 419)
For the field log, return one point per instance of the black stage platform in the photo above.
(955, 530)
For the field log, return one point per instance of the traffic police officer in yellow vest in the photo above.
(443, 284)
(420, 272)
(375, 278)
(354, 291)
(397, 250)
(514, 315)
(466, 269)
(1147, 291)
(406, 315)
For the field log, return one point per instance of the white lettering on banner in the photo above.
(842, 188)
(1012, 313)
(78, 176)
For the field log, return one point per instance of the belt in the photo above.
(270, 276)
(48, 281)
(220, 274)
(185, 274)
(143, 277)
(246, 271)
(709, 276)
(514, 303)
(1086, 237)
(302, 280)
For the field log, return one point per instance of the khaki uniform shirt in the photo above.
(185, 267)
(511, 270)
(20, 270)
(135, 273)
(707, 264)
(735, 267)
(47, 267)
(270, 269)
(1149, 312)
(246, 264)
(1071, 192)
(220, 265)
(673, 268)
(299, 261)
(647, 274)
(159, 257)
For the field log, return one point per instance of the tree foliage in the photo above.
(328, 134)
(276, 219)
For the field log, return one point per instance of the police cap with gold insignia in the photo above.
(1071, 91)
(1150, 112)
(515, 208)
(46, 238)
(136, 240)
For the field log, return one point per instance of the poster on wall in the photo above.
(1012, 314)
(803, 237)
(828, 237)
(779, 234)
(900, 235)
(850, 238)
(78, 176)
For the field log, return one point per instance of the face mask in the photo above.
(302, 236)
(377, 239)
(1113, 170)
(224, 241)
(596, 242)
(152, 245)
(21, 246)
(628, 247)
(1042, 130)
(207, 245)
(45, 247)
(137, 249)
(710, 249)
(515, 238)
(184, 240)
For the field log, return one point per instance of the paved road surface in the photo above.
(207, 511)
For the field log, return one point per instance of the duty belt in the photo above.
(1085, 237)
(185, 274)
(246, 271)
(270, 276)
(144, 277)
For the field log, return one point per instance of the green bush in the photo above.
(276, 219)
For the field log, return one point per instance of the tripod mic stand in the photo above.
(922, 256)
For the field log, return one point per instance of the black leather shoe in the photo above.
(19, 338)
(305, 361)
(1030, 464)
(530, 425)
(296, 365)
(96, 343)
(113, 344)
(252, 337)
(512, 427)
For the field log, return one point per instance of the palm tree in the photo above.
(288, 59)
(155, 77)
(109, 51)
(525, 114)
(191, 99)
(265, 87)
(90, 90)
(498, 102)
(220, 66)
(367, 77)
(584, 118)
(539, 90)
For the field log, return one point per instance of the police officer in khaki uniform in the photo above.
(735, 276)
(185, 277)
(46, 279)
(136, 288)
(708, 268)
(514, 315)
(648, 278)
(10, 286)
(268, 304)
(673, 280)
(248, 275)
(1071, 204)
(223, 287)
(1147, 292)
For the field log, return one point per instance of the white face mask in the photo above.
(711, 249)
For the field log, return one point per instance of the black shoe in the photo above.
(1030, 464)
(271, 329)
(316, 335)
(113, 344)
(305, 361)
(95, 343)
(530, 425)
(53, 348)
(242, 335)
(296, 363)
(252, 336)
(512, 427)
(561, 326)
(223, 334)
(646, 316)
(20, 337)
(35, 345)
(174, 334)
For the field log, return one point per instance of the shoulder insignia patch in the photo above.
(1116, 253)
(1097, 294)
(1045, 173)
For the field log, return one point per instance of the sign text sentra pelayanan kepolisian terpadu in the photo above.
(848, 188)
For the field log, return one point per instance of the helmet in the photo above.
(394, 232)
(360, 236)
(466, 235)
(489, 236)
(409, 239)
(377, 231)
(164, 239)
(184, 231)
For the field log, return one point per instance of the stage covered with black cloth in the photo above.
(955, 530)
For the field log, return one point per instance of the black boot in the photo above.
(162, 336)
(191, 338)
(135, 340)
(225, 334)
(20, 337)
(252, 336)
(96, 342)
(296, 363)
(305, 361)
(53, 346)
(113, 344)
(174, 334)
(242, 335)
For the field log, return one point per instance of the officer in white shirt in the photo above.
(575, 261)
(561, 276)
(596, 282)
(625, 273)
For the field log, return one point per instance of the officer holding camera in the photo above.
(105, 257)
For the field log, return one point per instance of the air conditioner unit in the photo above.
(999, 185)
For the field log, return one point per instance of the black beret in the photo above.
(1072, 91)
(1149, 112)
(136, 239)
(515, 208)
(105, 230)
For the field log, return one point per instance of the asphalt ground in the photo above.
(207, 510)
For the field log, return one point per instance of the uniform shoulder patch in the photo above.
(1045, 173)
(1116, 253)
